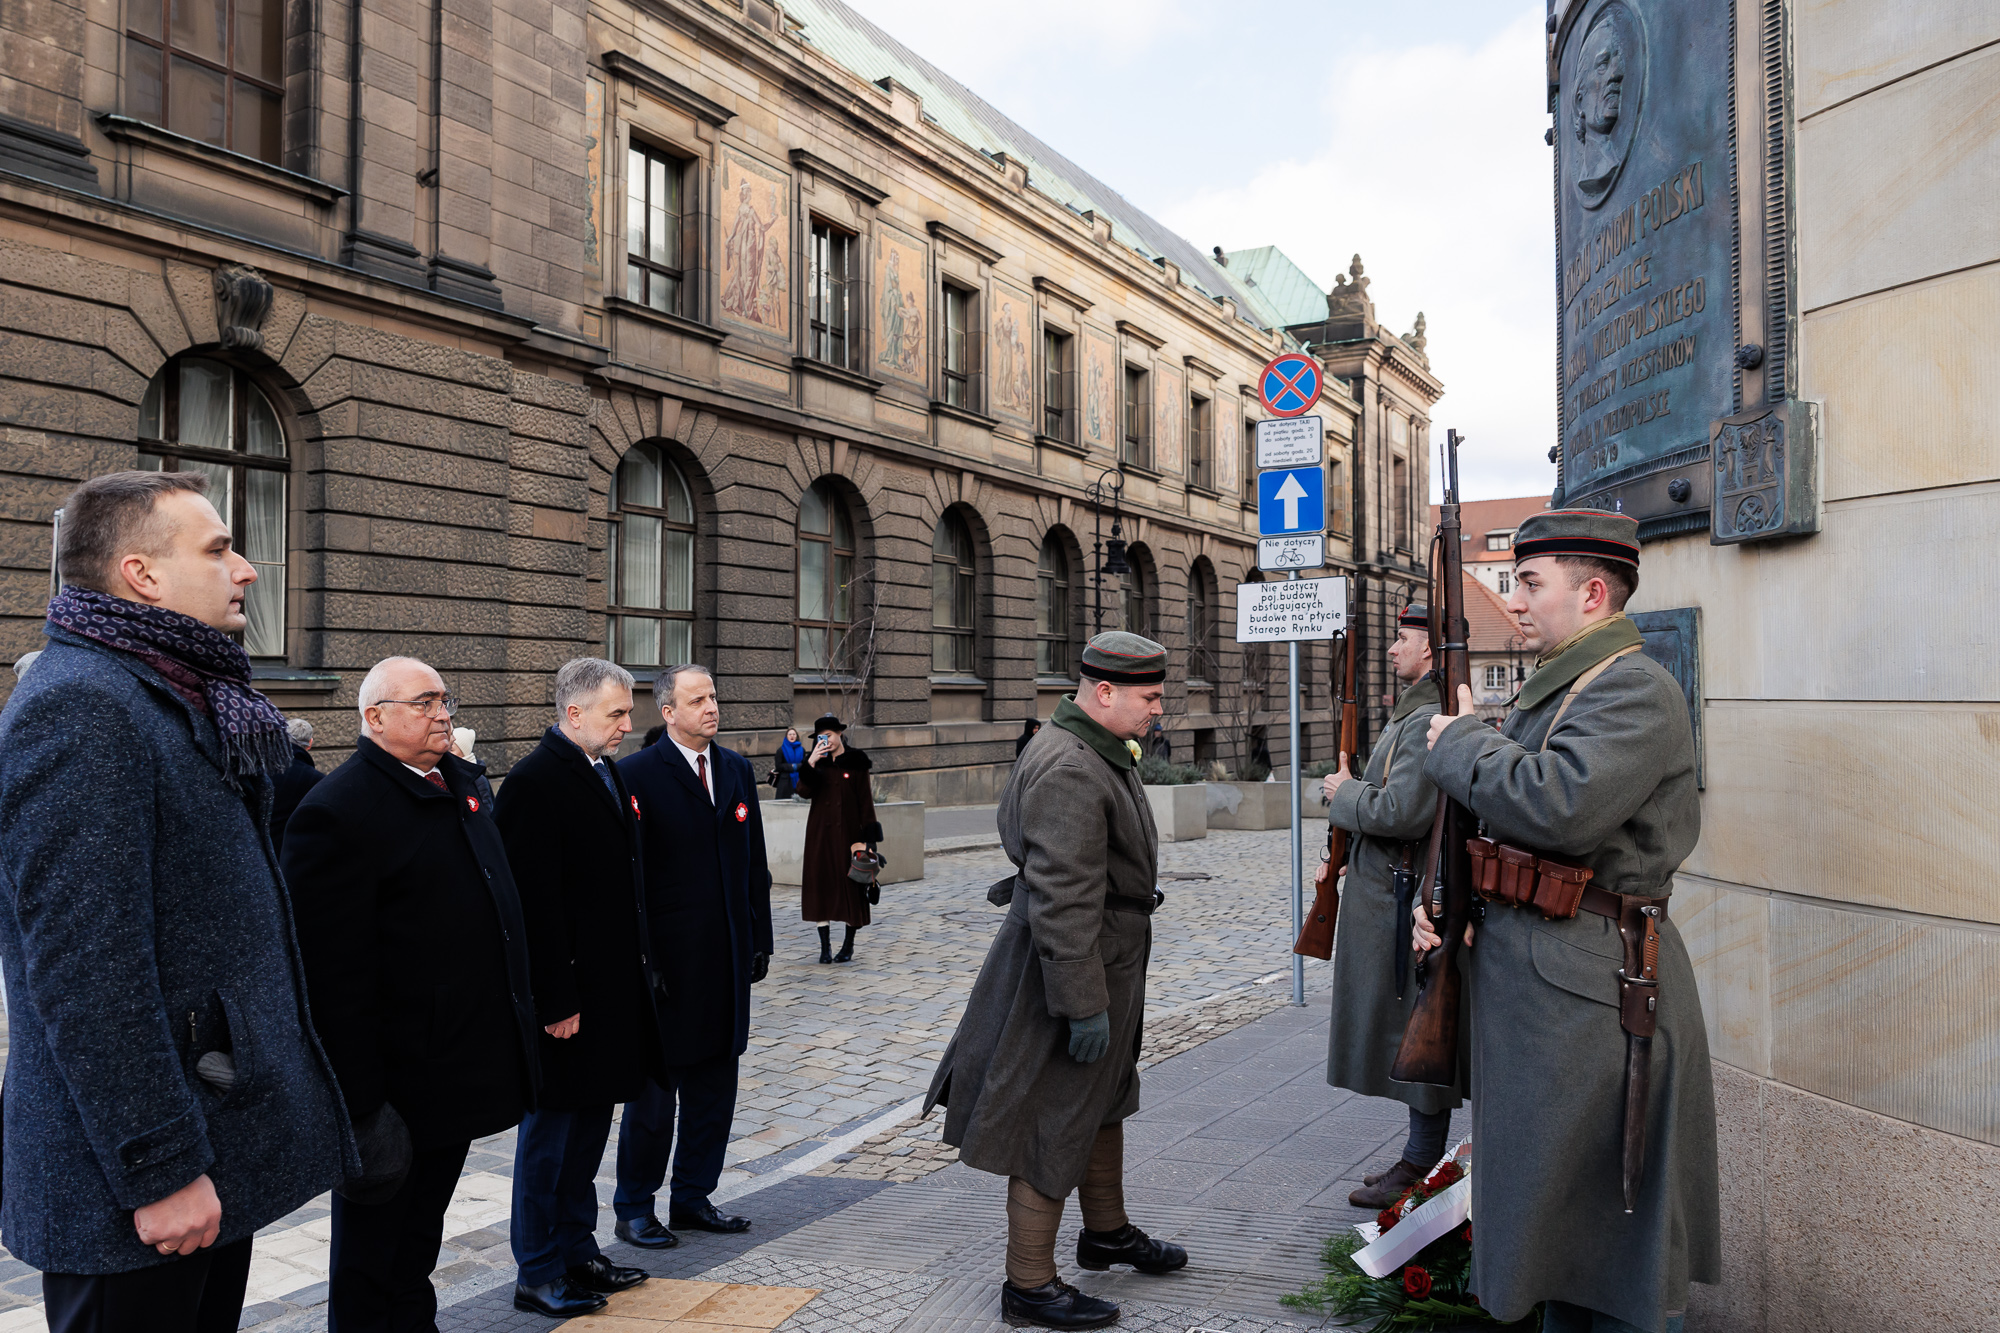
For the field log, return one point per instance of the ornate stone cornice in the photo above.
(670, 91)
(863, 190)
(953, 236)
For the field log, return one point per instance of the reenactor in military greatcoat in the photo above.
(1388, 809)
(1043, 1070)
(1583, 1000)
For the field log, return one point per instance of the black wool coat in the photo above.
(291, 788)
(843, 813)
(415, 951)
(708, 896)
(574, 850)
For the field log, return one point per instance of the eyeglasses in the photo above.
(429, 706)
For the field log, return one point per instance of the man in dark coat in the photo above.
(708, 904)
(572, 838)
(165, 1094)
(1043, 1070)
(300, 777)
(417, 968)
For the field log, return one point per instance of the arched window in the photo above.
(954, 599)
(826, 579)
(204, 416)
(1052, 613)
(650, 602)
(1135, 596)
(1204, 646)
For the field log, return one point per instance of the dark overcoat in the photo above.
(143, 924)
(416, 957)
(291, 788)
(1076, 825)
(573, 846)
(1390, 804)
(1613, 788)
(708, 896)
(843, 813)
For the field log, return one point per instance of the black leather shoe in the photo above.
(705, 1217)
(1054, 1304)
(1098, 1250)
(560, 1299)
(646, 1233)
(604, 1277)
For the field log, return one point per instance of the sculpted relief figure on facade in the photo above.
(1228, 448)
(1169, 421)
(1013, 370)
(1604, 105)
(1099, 353)
(754, 273)
(899, 309)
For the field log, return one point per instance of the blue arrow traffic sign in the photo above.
(1291, 500)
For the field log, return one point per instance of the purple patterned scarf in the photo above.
(205, 666)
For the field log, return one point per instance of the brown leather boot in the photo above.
(1388, 1188)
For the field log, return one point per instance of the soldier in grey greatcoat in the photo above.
(1043, 1070)
(1596, 766)
(1387, 809)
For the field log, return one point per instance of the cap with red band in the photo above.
(1587, 532)
(1415, 616)
(1123, 659)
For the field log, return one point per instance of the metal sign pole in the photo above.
(1298, 830)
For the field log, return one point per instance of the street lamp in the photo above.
(1108, 555)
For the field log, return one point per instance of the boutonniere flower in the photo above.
(1133, 746)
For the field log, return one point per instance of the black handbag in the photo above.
(865, 868)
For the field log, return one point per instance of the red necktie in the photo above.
(701, 771)
(436, 779)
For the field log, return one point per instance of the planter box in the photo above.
(1180, 813)
(903, 843)
(1264, 805)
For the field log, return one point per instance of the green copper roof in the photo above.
(1279, 291)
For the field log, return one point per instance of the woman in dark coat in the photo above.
(835, 779)
(790, 759)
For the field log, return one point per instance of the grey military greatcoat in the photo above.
(1391, 804)
(1614, 789)
(1075, 823)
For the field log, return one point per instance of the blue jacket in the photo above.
(143, 923)
(708, 896)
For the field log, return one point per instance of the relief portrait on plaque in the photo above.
(1605, 104)
(899, 309)
(1099, 353)
(755, 276)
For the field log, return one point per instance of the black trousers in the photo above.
(706, 1093)
(196, 1293)
(556, 1156)
(383, 1253)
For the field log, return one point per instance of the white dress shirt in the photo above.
(691, 755)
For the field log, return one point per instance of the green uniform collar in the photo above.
(1579, 655)
(1417, 696)
(1074, 720)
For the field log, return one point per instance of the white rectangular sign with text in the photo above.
(1305, 551)
(1290, 441)
(1290, 610)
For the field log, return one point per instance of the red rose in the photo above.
(1388, 1217)
(1416, 1282)
(1447, 1175)
(1467, 1233)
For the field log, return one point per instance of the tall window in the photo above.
(826, 579)
(1138, 441)
(1058, 387)
(203, 416)
(1204, 647)
(1052, 615)
(1506, 581)
(214, 71)
(1336, 496)
(954, 599)
(831, 280)
(1250, 462)
(1134, 602)
(961, 347)
(1201, 443)
(659, 233)
(650, 594)
(1401, 497)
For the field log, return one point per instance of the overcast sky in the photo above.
(1410, 133)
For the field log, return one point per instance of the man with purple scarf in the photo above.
(165, 1093)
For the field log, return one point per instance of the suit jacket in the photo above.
(708, 896)
(291, 788)
(416, 956)
(574, 850)
(143, 924)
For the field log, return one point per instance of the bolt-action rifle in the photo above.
(1316, 937)
(1429, 1053)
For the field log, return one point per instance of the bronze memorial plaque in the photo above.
(1675, 277)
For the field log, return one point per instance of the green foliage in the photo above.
(1354, 1297)
(1156, 772)
(1254, 773)
(1319, 768)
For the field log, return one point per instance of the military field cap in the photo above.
(1591, 532)
(1415, 616)
(1123, 659)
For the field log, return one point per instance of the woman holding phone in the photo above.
(842, 822)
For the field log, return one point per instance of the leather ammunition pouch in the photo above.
(1518, 878)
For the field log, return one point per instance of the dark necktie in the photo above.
(701, 771)
(604, 771)
(436, 779)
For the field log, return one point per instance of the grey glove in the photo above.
(1089, 1038)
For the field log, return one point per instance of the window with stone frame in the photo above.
(1136, 437)
(1135, 607)
(1201, 442)
(661, 231)
(202, 415)
(1054, 623)
(958, 358)
(210, 69)
(832, 286)
(826, 580)
(1203, 630)
(1496, 676)
(954, 599)
(1058, 386)
(1400, 497)
(649, 597)
(1250, 462)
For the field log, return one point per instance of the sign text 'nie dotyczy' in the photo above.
(1305, 551)
(1292, 610)
(1291, 441)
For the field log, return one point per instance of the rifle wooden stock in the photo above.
(1316, 936)
(1430, 1049)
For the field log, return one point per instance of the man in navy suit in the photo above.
(708, 908)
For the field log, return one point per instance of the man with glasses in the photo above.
(417, 975)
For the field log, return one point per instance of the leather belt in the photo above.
(1604, 903)
(1119, 902)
